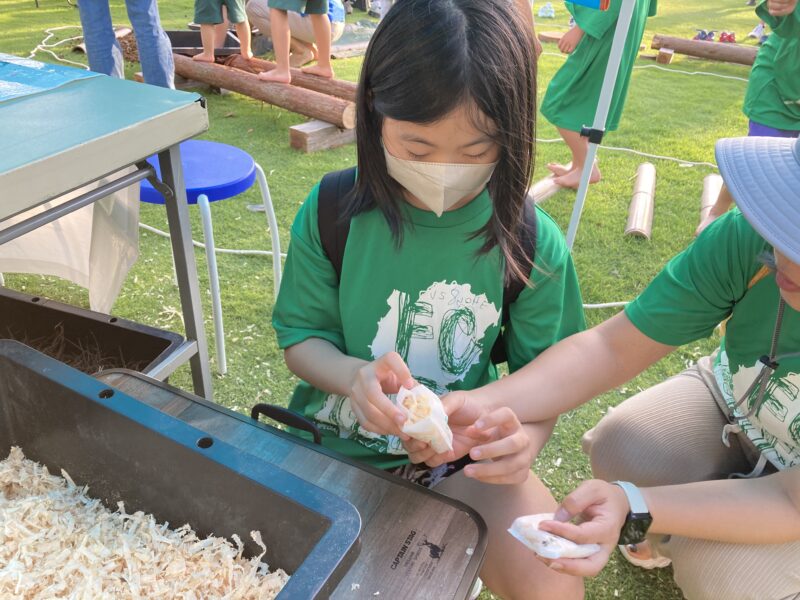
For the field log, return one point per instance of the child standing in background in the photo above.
(574, 92)
(208, 14)
(317, 11)
(772, 102)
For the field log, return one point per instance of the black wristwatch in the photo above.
(638, 520)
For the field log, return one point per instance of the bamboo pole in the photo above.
(735, 53)
(640, 212)
(544, 188)
(305, 102)
(346, 90)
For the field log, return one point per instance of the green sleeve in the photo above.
(552, 308)
(785, 27)
(308, 301)
(699, 287)
(595, 22)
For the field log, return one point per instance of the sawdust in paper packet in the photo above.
(426, 419)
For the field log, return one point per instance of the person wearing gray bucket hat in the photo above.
(715, 449)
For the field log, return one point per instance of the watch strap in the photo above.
(635, 497)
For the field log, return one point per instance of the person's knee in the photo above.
(612, 447)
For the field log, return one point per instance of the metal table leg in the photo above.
(185, 267)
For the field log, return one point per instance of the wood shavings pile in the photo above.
(55, 541)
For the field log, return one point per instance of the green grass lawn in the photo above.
(667, 114)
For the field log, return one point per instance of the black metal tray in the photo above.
(121, 343)
(189, 43)
(126, 450)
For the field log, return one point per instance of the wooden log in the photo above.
(305, 102)
(319, 135)
(640, 212)
(544, 188)
(735, 53)
(550, 36)
(712, 185)
(332, 87)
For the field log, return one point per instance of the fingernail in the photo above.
(400, 419)
(476, 454)
(468, 471)
(480, 424)
(561, 515)
(556, 567)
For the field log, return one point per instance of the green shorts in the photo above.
(309, 7)
(209, 12)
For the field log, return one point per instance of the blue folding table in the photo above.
(62, 128)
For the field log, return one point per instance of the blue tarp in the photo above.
(23, 77)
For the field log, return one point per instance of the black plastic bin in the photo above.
(189, 43)
(80, 337)
(125, 450)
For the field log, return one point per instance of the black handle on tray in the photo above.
(286, 417)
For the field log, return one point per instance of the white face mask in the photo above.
(439, 186)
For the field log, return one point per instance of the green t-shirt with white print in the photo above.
(432, 300)
(718, 277)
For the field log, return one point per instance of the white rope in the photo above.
(701, 73)
(43, 46)
(680, 161)
(216, 250)
(605, 305)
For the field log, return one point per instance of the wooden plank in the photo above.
(665, 56)
(305, 102)
(550, 36)
(414, 543)
(735, 53)
(319, 135)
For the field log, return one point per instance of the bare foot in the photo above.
(326, 72)
(573, 178)
(248, 56)
(204, 57)
(640, 551)
(276, 76)
(558, 169)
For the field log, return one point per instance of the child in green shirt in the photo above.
(572, 96)
(435, 222)
(772, 102)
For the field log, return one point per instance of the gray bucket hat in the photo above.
(763, 176)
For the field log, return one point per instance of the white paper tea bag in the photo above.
(526, 530)
(427, 421)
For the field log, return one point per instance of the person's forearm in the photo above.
(575, 370)
(323, 365)
(539, 433)
(739, 511)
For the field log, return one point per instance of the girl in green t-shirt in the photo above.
(446, 107)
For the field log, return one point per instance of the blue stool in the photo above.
(214, 171)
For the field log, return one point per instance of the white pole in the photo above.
(600, 117)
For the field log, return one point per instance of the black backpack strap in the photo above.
(513, 289)
(333, 229)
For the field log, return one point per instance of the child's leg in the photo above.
(207, 35)
(512, 571)
(302, 53)
(221, 30)
(322, 35)
(579, 146)
(279, 28)
(243, 33)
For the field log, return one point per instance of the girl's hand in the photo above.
(370, 384)
(570, 40)
(496, 435)
(602, 508)
(781, 8)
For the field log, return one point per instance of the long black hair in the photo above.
(427, 58)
